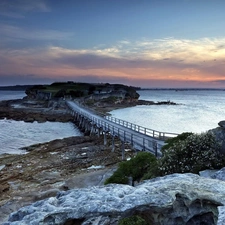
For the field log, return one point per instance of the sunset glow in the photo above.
(46, 40)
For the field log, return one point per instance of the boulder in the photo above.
(222, 123)
(176, 199)
(214, 174)
(219, 134)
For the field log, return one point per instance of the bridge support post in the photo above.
(155, 148)
(98, 130)
(105, 138)
(92, 129)
(123, 150)
(81, 121)
(85, 126)
(143, 144)
(113, 143)
(77, 116)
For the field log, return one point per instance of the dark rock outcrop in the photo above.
(222, 124)
(30, 111)
(219, 134)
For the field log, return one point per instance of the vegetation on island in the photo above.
(85, 90)
(186, 153)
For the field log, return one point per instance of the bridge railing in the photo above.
(143, 138)
(136, 140)
(152, 133)
(139, 142)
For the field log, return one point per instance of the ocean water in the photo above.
(198, 110)
(7, 95)
(17, 134)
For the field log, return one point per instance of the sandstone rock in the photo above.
(175, 199)
(4, 186)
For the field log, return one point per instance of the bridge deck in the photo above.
(141, 138)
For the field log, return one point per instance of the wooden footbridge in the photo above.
(139, 137)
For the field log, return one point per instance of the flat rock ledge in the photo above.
(171, 200)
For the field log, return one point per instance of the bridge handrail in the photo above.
(139, 138)
(147, 131)
(127, 135)
(140, 129)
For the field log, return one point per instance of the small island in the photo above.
(101, 97)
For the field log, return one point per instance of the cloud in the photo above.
(174, 61)
(13, 33)
(188, 51)
(18, 8)
(219, 81)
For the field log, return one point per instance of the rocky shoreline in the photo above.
(34, 110)
(61, 181)
(68, 165)
(54, 166)
(102, 107)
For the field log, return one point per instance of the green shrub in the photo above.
(171, 141)
(110, 99)
(133, 220)
(136, 168)
(143, 163)
(118, 177)
(90, 102)
(187, 153)
(194, 153)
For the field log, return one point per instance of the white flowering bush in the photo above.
(186, 153)
(195, 153)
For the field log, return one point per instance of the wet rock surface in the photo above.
(51, 167)
(48, 168)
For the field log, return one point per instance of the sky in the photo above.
(144, 43)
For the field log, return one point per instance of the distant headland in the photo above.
(15, 87)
